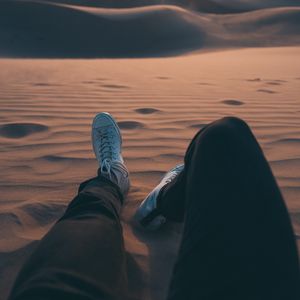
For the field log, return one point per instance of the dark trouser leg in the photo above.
(82, 256)
(238, 242)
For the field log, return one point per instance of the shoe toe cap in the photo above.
(102, 119)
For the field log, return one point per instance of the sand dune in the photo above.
(160, 104)
(210, 6)
(247, 5)
(41, 30)
(47, 106)
(100, 33)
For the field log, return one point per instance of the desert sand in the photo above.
(47, 108)
(163, 71)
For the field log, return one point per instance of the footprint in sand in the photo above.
(254, 80)
(19, 130)
(163, 77)
(115, 86)
(45, 84)
(130, 125)
(266, 91)
(204, 83)
(146, 110)
(233, 102)
(273, 83)
(88, 82)
(278, 80)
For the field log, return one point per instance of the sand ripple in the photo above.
(46, 149)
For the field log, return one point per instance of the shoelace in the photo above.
(107, 150)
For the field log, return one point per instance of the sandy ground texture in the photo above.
(47, 107)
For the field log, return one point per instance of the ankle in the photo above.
(118, 174)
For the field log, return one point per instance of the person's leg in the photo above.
(82, 257)
(237, 242)
(149, 214)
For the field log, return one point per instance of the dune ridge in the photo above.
(157, 30)
(208, 6)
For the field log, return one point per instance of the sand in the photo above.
(47, 108)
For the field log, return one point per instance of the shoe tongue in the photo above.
(106, 166)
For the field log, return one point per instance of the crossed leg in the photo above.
(238, 242)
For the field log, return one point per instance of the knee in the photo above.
(222, 131)
(230, 125)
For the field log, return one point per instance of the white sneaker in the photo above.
(107, 143)
(147, 215)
